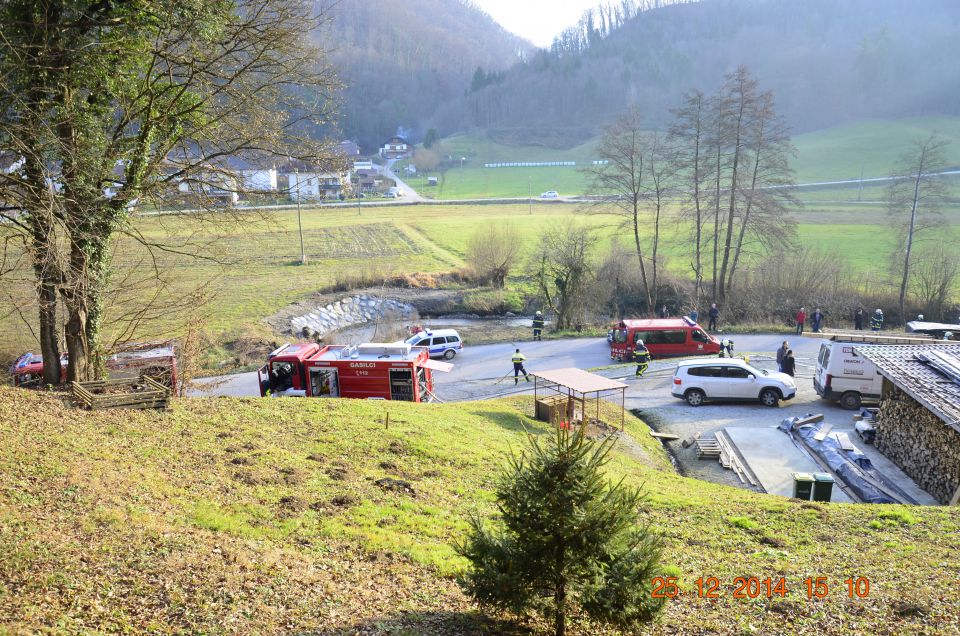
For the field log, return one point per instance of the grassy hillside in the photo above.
(838, 153)
(258, 516)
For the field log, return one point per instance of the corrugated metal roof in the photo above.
(579, 380)
(900, 364)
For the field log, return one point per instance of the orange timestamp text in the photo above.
(750, 587)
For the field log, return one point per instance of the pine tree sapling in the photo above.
(569, 540)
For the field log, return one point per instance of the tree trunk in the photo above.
(636, 238)
(746, 213)
(910, 231)
(49, 345)
(732, 211)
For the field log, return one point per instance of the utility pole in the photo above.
(303, 255)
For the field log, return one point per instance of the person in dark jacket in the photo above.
(664, 312)
(789, 363)
(801, 318)
(858, 319)
(714, 313)
(538, 326)
(694, 315)
(816, 320)
(781, 354)
(876, 322)
(641, 355)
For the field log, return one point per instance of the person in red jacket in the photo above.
(801, 318)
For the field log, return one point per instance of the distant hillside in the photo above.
(401, 60)
(828, 61)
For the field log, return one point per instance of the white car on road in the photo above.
(550, 194)
(698, 381)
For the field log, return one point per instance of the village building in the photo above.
(395, 148)
(918, 423)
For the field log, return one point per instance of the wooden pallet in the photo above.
(145, 393)
(707, 448)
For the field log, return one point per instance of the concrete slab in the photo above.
(773, 459)
(887, 467)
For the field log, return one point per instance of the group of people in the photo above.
(786, 363)
(817, 319)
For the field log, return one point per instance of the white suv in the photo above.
(697, 381)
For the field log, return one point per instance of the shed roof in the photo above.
(935, 388)
(579, 380)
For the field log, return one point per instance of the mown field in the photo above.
(227, 516)
(252, 271)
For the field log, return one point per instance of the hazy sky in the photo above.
(536, 20)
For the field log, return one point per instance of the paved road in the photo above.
(409, 194)
(477, 370)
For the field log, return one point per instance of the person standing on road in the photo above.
(518, 360)
(858, 319)
(876, 322)
(817, 320)
(801, 318)
(664, 312)
(694, 315)
(538, 326)
(641, 355)
(781, 354)
(789, 363)
(714, 313)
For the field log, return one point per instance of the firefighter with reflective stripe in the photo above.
(726, 347)
(641, 355)
(518, 359)
(876, 321)
(538, 326)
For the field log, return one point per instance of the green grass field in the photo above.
(224, 516)
(832, 154)
(256, 270)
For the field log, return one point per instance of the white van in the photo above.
(844, 376)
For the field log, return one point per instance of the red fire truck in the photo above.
(374, 371)
(663, 338)
(155, 359)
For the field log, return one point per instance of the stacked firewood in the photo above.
(924, 447)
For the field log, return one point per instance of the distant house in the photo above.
(306, 182)
(254, 174)
(918, 423)
(366, 180)
(363, 164)
(349, 149)
(395, 148)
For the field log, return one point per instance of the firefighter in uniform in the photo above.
(538, 326)
(876, 321)
(726, 347)
(641, 355)
(518, 359)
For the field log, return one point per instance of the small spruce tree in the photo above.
(568, 539)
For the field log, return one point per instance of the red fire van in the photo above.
(663, 338)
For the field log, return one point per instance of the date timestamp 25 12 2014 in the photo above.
(749, 587)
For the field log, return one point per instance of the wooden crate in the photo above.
(145, 393)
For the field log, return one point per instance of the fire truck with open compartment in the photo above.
(378, 371)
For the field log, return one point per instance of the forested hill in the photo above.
(827, 61)
(401, 60)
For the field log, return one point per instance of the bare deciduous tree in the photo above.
(913, 202)
(935, 273)
(492, 253)
(108, 106)
(562, 270)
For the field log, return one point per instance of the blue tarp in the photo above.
(853, 468)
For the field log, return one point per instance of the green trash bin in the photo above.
(802, 486)
(822, 487)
